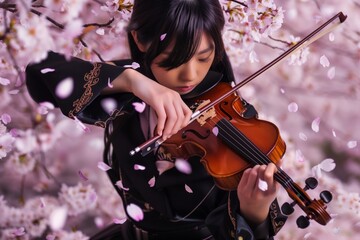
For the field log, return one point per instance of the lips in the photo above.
(185, 89)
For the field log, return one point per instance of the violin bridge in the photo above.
(203, 117)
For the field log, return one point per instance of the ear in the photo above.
(142, 47)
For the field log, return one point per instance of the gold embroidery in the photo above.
(91, 78)
(114, 115)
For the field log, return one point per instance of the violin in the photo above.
(227, 142)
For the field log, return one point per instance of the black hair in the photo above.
(182, 21)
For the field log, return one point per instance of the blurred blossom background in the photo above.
(52, 182)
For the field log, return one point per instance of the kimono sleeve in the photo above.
(83, 82)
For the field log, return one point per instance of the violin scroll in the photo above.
(314, 209)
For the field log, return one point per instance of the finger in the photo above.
(161, 118)
(179, 117)
(187, 115)
(171, 118)
(268, 174)
(252, 181)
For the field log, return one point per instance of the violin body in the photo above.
(223, 163)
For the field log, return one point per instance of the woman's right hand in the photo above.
(172, 113)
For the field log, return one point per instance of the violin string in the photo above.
(257, 156)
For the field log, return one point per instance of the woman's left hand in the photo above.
(255, 200)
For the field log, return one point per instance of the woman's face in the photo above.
(187, 76)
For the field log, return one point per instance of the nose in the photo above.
(189, 71)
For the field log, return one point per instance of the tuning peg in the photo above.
(288, 208)
(311, 183)
(326, 196)
(302, 222)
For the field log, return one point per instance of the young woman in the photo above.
(179, 48)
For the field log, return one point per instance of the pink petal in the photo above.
(46, 70)
(188, 189)
(331, 37)
(282, 90)
(293, 107)
(4, 81)
(57, 218)
(139, 107)
(333, 133)
(139, 167)
(99, 222)
(215, 131)
(103, 166)
(119, 221)
(324, 61)
(183, 166)
(135, 212)
(327, 165)
(263, 186)
(331, 73)
(307, 235)
(352, 144)
(82, 176)
(108, 104)
(315, 124)
(162, 37)
(121, 186)
(299, 156)
(151, 182)
(81, 125)
(110, 85)
(5, 118)
(65, 88)
(316, 170)
(303, 137)
(14, 92)
(50, 237)
(134, 65)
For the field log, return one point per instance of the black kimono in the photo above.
(170, 212)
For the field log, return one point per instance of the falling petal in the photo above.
(253, 57)
(4, 81)
(103, 166)
(82, 176)
(64, 88)
(299, 156)
(139, 107)
(151, 182)
(57, 218)
(307, 235)
(135, 212)
(331, 37)
(188, 189)
(183, 166)
(47, 70)
(215, 131)
(324, 61)
(327, 165)
(334, 133)
(119, 221)
(99, 222)
(100, 31)
(93, 197)
(162, 166)
(81, 125)
(315, 125)
(110, 85)
(331, 73)
(352, 144)
(282, 90)
(263, 186)
(5, 118)
(302, 136)
(134, 65)
(138, 167)
(14, 92)
(316, 171)
(108, 104)
(293, 107)
(121, 186)
(162, 37)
